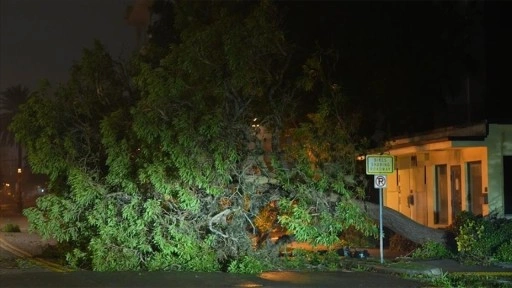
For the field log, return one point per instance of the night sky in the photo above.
(387, 46)
(42, 38)
(498, 25)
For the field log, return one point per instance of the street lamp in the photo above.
(18, 187)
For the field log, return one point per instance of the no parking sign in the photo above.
(379, 166)
(379, 181)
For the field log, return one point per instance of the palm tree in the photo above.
(10, 101)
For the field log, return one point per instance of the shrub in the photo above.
(247, 265)
(298, 260)
(478, 238)
(460, 219)
(11, 228)
(431, 250)
(497, 231)
(504, 252)
(468, 239)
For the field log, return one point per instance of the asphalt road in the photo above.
(191, 279)
(17, 270)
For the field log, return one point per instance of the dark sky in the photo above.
(498, 47)
(420, 54)
(403, 62)
(41, 38)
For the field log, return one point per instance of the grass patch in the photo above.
(485, 274)
(408, 265)
(25, 264)
(479, 280)
(11, 228)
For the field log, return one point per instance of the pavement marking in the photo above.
(36, 260)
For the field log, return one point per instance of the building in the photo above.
(138, 15)
(443, 172)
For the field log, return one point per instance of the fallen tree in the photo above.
(401, 224)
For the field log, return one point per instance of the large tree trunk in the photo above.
(406, 227)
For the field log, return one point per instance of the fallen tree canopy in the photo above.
(401, 224)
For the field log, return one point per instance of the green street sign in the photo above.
(380, 164)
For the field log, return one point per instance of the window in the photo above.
(475, 187)
(441, 195)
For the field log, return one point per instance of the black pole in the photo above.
(18, 179)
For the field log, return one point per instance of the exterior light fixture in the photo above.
(19, 170)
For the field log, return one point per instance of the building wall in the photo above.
(499, 143)
(411, 189)
(415, 178)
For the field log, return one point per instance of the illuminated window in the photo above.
(441, 195)
(475, 187)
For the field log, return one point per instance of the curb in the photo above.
(36, 260)
(427, 271)
(435, 271)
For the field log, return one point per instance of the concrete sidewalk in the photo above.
(404, 265)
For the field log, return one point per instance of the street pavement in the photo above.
(20, 267)
(215, 279)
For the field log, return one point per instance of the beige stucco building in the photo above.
(440, 173)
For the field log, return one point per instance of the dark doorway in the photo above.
(507, 184)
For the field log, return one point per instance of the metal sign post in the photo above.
(381, 229)
(378, 165)
(380, 182)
